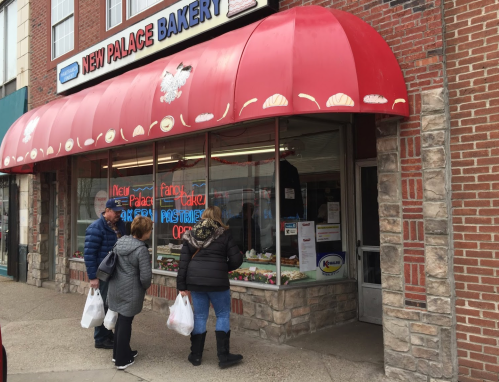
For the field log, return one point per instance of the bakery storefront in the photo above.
(268, 122)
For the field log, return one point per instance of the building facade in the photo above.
(420, 258)
(14, 84)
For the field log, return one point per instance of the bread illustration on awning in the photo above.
(375, 99)
(204, 117)
(340, 99)
(275, 101)
(166, 124)
(69, 144)
(139, 130)
(240, 6)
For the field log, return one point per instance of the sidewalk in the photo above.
(45, 342)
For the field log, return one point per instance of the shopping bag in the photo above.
(181, 318)
(110, 319)
(93, 313)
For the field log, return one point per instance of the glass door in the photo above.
(368, 242)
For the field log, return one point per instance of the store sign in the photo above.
(331, 265)
(179, 22)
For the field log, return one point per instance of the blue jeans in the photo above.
(221, 304)
(101, 333)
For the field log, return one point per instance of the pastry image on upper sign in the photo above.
(340, 99)
(89, 142)
(203, 117)
(69, 145)
(240, 6)
(375, 98)
(275, 100)
(110, 134)
(6, 161)
(20, 158)
(171, 84)
(33, 153)
(50, 150)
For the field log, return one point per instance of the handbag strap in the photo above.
(195, 253)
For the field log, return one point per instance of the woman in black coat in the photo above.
(208, 254)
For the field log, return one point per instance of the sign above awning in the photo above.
(301, 61)
(180, 21)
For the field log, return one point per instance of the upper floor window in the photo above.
(137, 6)
(62, 27)
(8, 48)
(113, 11)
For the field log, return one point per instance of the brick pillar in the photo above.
(413, 199)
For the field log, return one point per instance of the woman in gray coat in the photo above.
(128, 286)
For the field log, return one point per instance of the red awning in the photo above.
(301, 61)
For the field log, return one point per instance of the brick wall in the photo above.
(44, 75)
(473, 76)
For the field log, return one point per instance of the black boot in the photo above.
(223, 347)
(197, 346)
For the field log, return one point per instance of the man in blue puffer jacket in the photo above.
(100, 238)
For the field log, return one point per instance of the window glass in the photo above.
(63, 35)
(91, 193)
(11, 48)
(137, 6)
(310, 202)
(113, 13)
(132, 182)
(241, 178)
(2, 46)
(61, 9)
(62, 27)
(180, 196)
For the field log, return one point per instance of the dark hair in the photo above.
(140, 226)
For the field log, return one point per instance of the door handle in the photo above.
(358, 249)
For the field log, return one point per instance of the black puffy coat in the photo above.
(208, 270)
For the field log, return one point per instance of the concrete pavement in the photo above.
(45, 342)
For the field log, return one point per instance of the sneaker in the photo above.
(134, 353)
(125, 366)
(106, 344)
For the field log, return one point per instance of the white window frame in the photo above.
(52, 26)
(108, 27)
(129, 8)
(5, 79)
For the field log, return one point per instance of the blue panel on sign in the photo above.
(69, 72)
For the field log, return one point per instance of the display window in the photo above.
(242, 166)
(311, 230)
(180, 196)
(131, 181)
(91, 176)
(283, 202)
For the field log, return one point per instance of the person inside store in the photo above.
(245, 229)
(128, 286)
(208, 253)
(100, 238)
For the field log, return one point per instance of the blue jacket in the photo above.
(99, 240)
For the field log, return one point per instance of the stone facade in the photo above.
(418, 303)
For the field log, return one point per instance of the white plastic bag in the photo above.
(93, 313)
(110, 319)
(181, 318)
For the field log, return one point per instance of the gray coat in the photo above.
(131, 278)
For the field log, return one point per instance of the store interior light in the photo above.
(230, 153)
(143, 162)
(173, 158)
